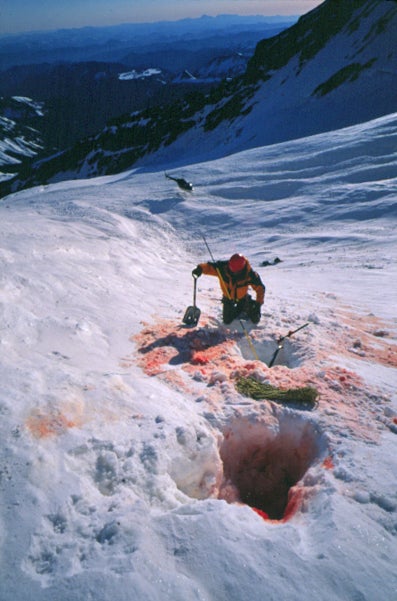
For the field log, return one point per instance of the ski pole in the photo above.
(281, 340)
(248, 337)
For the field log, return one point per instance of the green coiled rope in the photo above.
(306, 395)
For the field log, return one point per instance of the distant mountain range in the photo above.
(336, 66)
(78, 78)
(133, 43)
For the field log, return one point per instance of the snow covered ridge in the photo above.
(224, 67)
(311, 78)
(139, 75)
(18, 137)
(22, 102)
(130, 465)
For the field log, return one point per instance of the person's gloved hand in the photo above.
(255, 312)
(197, 271)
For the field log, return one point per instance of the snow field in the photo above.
(129, 460)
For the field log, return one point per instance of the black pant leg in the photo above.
(229, 311)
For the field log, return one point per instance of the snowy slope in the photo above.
(324, 83)
(122, 431)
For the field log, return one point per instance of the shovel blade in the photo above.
(192, 315)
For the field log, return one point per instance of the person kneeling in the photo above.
(235, 277)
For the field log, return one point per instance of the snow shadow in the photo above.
(262, 463)
(185, 343)
(156, 207)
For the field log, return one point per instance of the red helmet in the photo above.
(237, 263)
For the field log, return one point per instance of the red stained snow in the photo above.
(167, 347)
(211, 355)
(328, 464)
(296, 497)
(263, 514)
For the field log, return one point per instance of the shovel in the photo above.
(192, 313)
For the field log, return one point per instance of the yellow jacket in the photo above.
(235, 286)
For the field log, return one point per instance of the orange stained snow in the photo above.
(43, 424)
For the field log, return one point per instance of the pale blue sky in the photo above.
(31, 15)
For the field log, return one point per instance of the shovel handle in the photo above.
(195, 277)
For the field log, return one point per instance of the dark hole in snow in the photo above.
(262, 463)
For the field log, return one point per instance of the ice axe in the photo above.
(192, 313)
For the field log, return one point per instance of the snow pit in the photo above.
(289, 355)
(263, 463)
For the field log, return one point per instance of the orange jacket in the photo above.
(235, 286)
